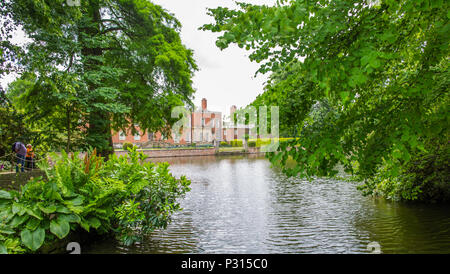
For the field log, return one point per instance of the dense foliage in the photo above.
(125, 195)
(127, 145)
(12, 126)
(99, 66)
(365, 83)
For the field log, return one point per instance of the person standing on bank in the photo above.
(21, 152)
(29, 157)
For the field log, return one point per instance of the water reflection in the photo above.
(239, 204)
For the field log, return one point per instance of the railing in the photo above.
(172, 146)
(12, 158)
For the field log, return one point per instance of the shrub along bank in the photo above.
(125, 196)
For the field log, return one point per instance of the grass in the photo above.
(225, 149)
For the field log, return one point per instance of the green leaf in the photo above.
(389, 36)
(48, 210)
(94, 222)
(34, 213)
(71, 218)
(75, 202)
(18, 220)
(18, 208)
(375, 63)
(33, 240)
(84, 224)
(60, 228)
(32, 224)
(5, 195)
(5, 230)
(344, 95)
(3, 249)
(63, 209)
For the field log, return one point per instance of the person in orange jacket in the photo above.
(29, 159)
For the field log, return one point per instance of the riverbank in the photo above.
(13, 181)
(190, 152)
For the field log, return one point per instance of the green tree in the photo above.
(58, 124)
(114, 62)
(12, 126)
(383, 66)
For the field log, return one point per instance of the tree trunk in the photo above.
(68, 130)
(99, 123)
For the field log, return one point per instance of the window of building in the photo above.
(137, 136)
(122, 136)
(150, 136)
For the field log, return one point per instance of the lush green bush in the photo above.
(127, 146)
(224, 144)
(236, 143)
(251, 143)
(119, 195)
(262, 142)
(423, 178)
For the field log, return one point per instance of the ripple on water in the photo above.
(241, 205)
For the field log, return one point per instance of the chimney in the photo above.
(232, 110)
(204, 104)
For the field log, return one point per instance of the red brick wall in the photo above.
(129, 137)
(197, 123)
(231, 136)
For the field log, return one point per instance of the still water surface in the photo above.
(239, 204)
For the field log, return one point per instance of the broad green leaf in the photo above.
(6, 230)
(63, 209)
(375, 63)
(33, 239)
(75, 202)
(18, 208)
(71, 218)
(3, 249)
(5, 195)
(6, 215)
(18, 220)
(85, 224)
(34, 213)
(48, 210)
(60, 228)
(94, 222)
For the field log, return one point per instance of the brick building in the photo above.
(232, 131)
(203, 126)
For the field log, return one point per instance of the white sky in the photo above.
(225, 78)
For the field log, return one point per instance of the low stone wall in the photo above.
(162, 153)
(13, 181)
(253, 150)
